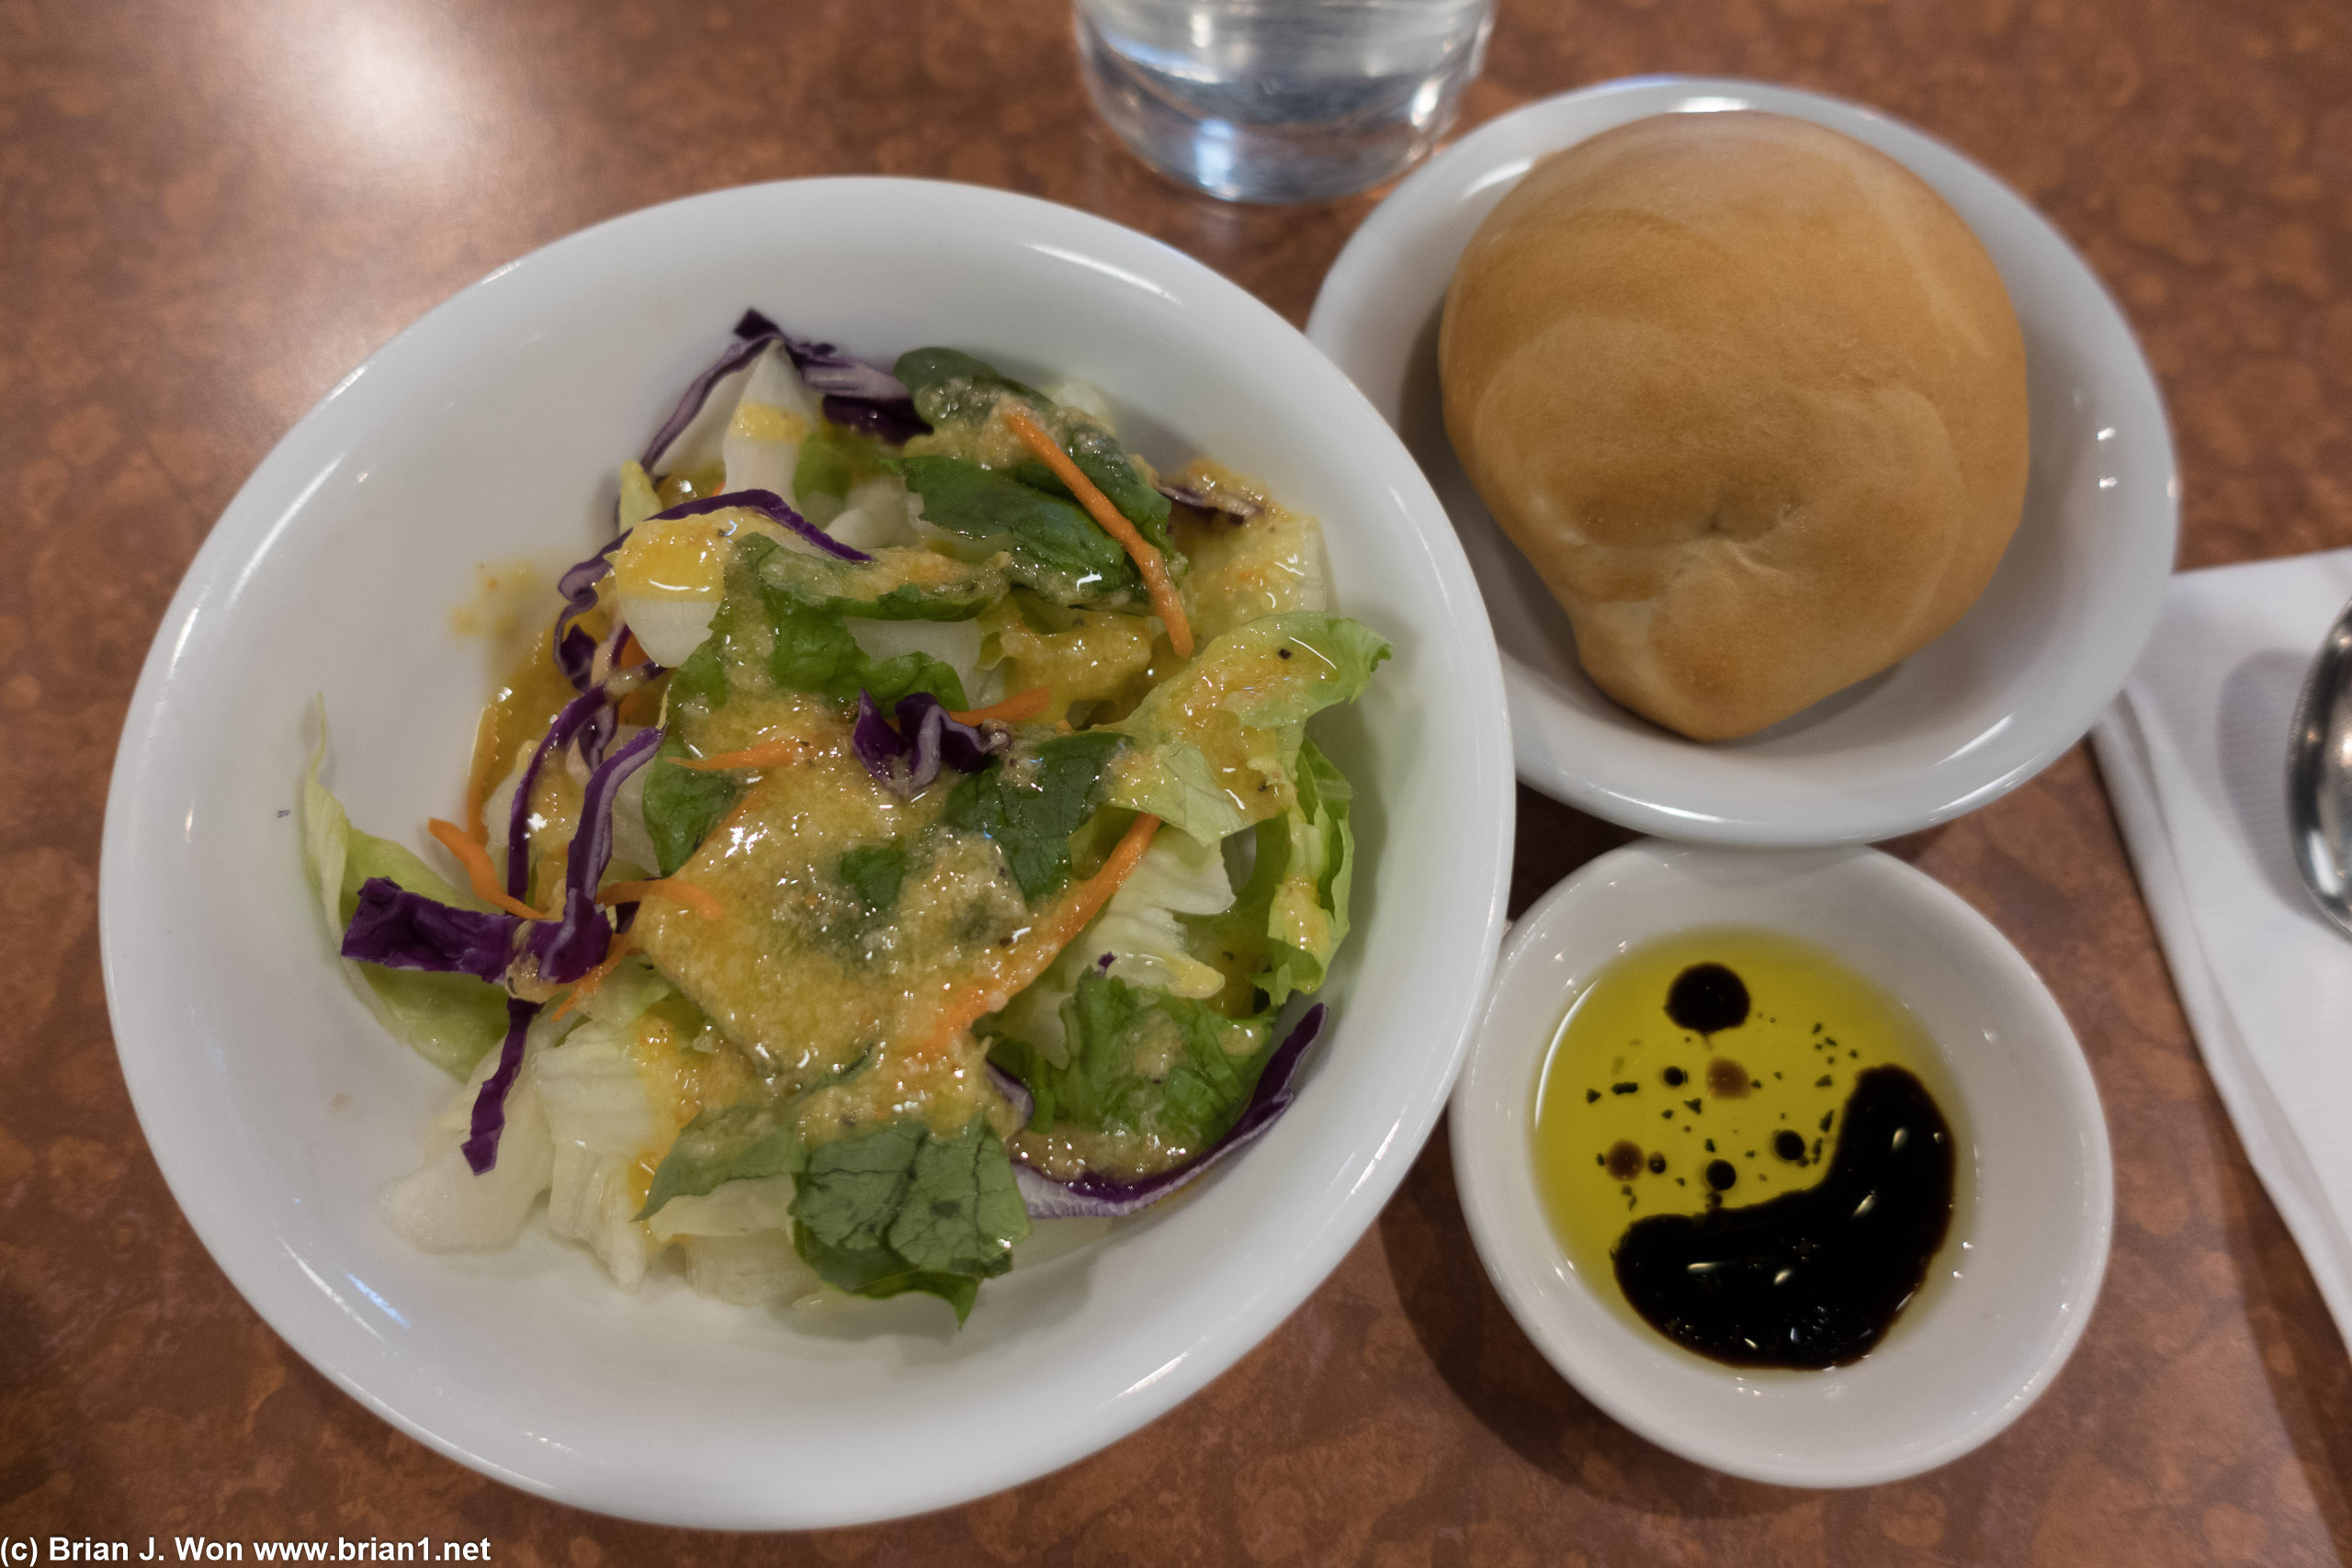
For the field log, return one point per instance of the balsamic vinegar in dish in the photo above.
(1750, 1141)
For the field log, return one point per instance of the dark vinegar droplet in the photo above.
(1624, 1159)
(1707, 998)
(1674, 1077)
(1721, 1174)
(1787, 1145)
(1657, 1164)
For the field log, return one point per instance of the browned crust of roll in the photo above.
(1750, 396)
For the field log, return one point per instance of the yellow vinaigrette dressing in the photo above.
(1688, 1132)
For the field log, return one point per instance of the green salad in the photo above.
(907, 834)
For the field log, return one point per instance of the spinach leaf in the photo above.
(950, 386)
(909, 602)
(874, 873)
(899, 1208)
(727, 1143)
(682, 805)
(704, 674)
(1100, 458)
(1143, 1062)
(879, 589)
(1031, 803)
(810, 647)
(815, 652)
(1055, 547)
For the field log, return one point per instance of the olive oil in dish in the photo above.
(1743, 1143)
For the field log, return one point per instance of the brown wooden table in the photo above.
(208, 212)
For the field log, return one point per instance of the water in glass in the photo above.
(1280, 100)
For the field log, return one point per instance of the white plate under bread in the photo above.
(1959, 722)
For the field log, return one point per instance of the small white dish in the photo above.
(492, 430)
(2007, 1297)
(1961, 722)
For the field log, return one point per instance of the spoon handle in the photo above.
(2319, 768)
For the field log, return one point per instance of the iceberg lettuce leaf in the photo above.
(1291, 916)
(452, 1021)
(1150, 935)
(1216, 743)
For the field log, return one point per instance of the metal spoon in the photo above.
(2319, 775)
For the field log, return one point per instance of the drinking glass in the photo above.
(1280, 100)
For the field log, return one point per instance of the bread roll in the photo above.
(1752, 400)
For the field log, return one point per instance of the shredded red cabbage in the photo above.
(569, 947)
(575, 650)
(892, 422)
(591, 711)
(862, 396)
(1103, 1196)
(1206, 501)
(826, 368)
(769, 505)
(489, 1105)
(907, 759)
(697, 393)
(401, 929)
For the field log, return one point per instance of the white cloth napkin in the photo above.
(2195, 755)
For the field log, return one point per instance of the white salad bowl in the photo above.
(1970, 717)
(2006, 1297)
(489, 434)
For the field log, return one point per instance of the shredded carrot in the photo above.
(479, 871)
(1085, 901)
(1015, 709)
(1147, 559)
(475, 828)
(1059, 928)
(771, 755)
(632, 652)
(588, 984)
(698, 900)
